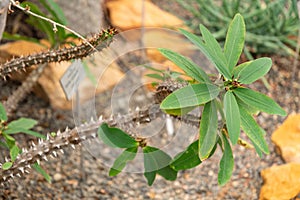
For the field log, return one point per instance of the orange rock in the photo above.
(128, 14)
(280, 182)
(287, 139)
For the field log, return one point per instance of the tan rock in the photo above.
(128, 14)
(280, 182)
(287, 138)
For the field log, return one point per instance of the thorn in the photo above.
(94, 135)
(18, 175)
(45, 158)
(83, 137)
(40, 141)
(137, 108)
(40, 153)
(38, 161)
(33, 145)
(6, 159)
(12, 175)
(4, 178)
(57, 146)
(101, 117)
(26, 171)
(54, 153)
(92, 120)
(28, 166)
(67, 129)
(62, 151)
(58, 133)
(73, 146)
(21, 169)
(48, 136)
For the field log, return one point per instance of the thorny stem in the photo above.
(55, 24)
(18, 95)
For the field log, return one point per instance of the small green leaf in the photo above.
(232, 116)
(115, 137)
(234, 42)
(3, 115)
(22, 123)
(188, 66)
(155, 159)
(150, 176)
(226, 163)
(259, 101)
(168, 173)
(10, 141)
(215, 52)
(156, 76)
(252, 130)
(208, 130)
(189, 96)
(120, 162)
(187, 159)
(254, 70)
(14, 152)
(21, 130)
(7, 165)
(40, 170)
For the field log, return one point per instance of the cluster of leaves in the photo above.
(272, 26)
(7, 129)
(55, 35)
(230, 98)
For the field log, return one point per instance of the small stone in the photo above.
(57, 177)
(281, 182)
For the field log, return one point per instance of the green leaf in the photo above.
(209, 52)
(7, 165)
(21, 130)
(259, 101)
(155, 159)
(215, 52)
(155, 76)
(22, 123)
(208, 130)
(239, 68)
(40, 170)
(189, 96)
(234, 42)
(254, 70)
(247, 107)
(120, 162)
(232, 116)
(10, 141)
(115, 137)
(226, 163)
(252, 130)
(188, 66)
(14, 152)
(150, 176)
(3, 115)
(187, 159)
(168, 173)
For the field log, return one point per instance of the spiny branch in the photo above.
(53, 145)
(99, 41)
